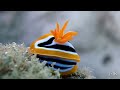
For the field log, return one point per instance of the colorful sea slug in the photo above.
(55, 47)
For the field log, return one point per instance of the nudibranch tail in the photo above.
(59, 35)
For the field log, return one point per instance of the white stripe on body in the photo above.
(58, 64)
(53, 43)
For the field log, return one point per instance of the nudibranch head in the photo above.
(55, 47)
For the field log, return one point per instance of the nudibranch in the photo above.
(55, 47)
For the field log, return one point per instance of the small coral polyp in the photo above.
(56, 47)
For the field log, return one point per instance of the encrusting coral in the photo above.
(82, 73)
(17, 63)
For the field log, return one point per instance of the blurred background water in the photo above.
(98, 41)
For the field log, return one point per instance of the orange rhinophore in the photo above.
(59, 35)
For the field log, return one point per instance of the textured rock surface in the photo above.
(98, 42)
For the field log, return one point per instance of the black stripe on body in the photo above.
(61, 47)
(56, 46)
(47, 42)
(57, 67)
(58, 60)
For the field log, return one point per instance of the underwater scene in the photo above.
(59, 44)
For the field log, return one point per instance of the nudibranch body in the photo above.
(55, 47)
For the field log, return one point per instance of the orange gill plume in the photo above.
(59, 35)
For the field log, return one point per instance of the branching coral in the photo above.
(17, 63)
